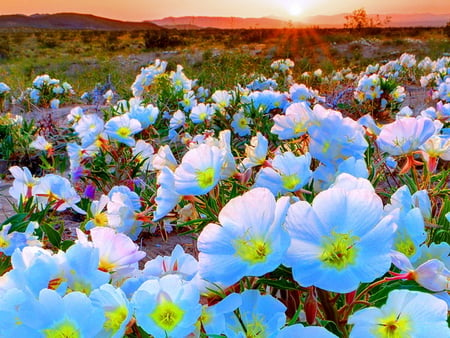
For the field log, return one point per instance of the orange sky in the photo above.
(139, 10)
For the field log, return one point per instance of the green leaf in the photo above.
(279, 284)
(5, 264)
(66, 244)
(18, 222)
(379, 298)
(53, 236)
(330, 326)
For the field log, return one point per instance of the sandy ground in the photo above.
(6, 201)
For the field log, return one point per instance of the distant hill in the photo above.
(71, 21)
(397, 20)
(224, 22)
(324, 21)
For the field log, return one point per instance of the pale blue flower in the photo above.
(199, 171)
(166, 196)
(12, 303)
(57, 191)
(146, 115)
(411, 232)
(167, 307)
(212, 318)
(241, 124)
(117, 310)
(325, 175)
(300, 93)
(73, 315)
(201, 113)
(178, 263)
(4, 88)
(249, 241)
(122, 128)
(294, 122)
(122, 211)
(179, 80)
(405, 135)
(10, 241)
(261, 315)
(288, 173)
(431, 274)
(146, 77)
(177, 120)
(188, 101)
(405, 314)
(403, 199)
(34, 269)
(342, 239)
(118, 254)
(88, 127)
(83, 273)
(334, 139)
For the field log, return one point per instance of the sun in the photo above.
(294, 9)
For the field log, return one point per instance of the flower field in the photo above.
(319, 205)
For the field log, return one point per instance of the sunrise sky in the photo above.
(139, 10)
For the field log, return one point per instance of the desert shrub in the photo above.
(87, 36)
(48, 40)
(447, 29)
(5, 47)
(161, 39)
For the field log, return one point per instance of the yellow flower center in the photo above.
(299, 127)
(167, 315)
(81, 286)
(242, 122)
(106, 266)
(290, 181)
(393, 327)
(206, 316)
(115, 318)
(124, 131)
(66, 329)
(252, 250)
(339, 250)
(326, 146)
(205, 178)
(256, 329)
(202, 116)
(406, 246)
(101, 219)
(3, 243)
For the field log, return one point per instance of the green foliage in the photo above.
(15, 138)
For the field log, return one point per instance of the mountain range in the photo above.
(87, 21)
(323, 21)
(71, 21)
